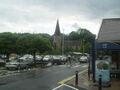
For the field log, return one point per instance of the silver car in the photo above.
(16, 65)
(83, 59)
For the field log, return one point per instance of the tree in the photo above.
(23, 43)
(74, 36)
(7, 43)
(84, 36)
(32, 44)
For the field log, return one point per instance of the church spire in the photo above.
(57, 30)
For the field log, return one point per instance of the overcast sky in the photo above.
(40, 16)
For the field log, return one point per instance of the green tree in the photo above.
(7, 43)
(84, 36)
(32, 44)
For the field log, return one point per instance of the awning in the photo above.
(107, 46)
(76, 53)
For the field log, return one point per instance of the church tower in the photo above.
(57, 37)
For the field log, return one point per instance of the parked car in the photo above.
(47, 58)
(14, 64)
(83, 59)
(27, 56)
(56, 60)
(2, 62)
(63, 59)
(39, 59)
(28, 59)
(3, 56)
(59, 59)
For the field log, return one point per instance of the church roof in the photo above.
(57, 30)
(110, 30)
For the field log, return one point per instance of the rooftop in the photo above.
(110, 30)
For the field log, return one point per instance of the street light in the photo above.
(82, 41)
(63, 43)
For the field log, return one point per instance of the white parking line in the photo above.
(58, 87)
(71, 87)
(66, 86)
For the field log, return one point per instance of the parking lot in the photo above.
(26, 63)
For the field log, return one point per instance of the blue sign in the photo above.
(102, 68)
(107, 46)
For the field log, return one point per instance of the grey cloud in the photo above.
(92, 9)
(76, 25)
(23, 11)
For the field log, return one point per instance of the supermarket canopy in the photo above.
(76, 53)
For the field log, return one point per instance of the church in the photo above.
(60, 42)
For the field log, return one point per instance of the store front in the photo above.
(112, 51)
(107, 44)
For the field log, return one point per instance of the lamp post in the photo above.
(63, 43)
(83, 45)
(93, 58)
(82, 41)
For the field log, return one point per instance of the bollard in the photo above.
(76, 78)
(100, 82)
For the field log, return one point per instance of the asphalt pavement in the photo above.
(41, 79)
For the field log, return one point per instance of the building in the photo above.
(109, 40)
(110, 31)
(108, 44)
(57, 37)
(73, 45)
(59, 42)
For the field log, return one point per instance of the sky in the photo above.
(40, 16)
